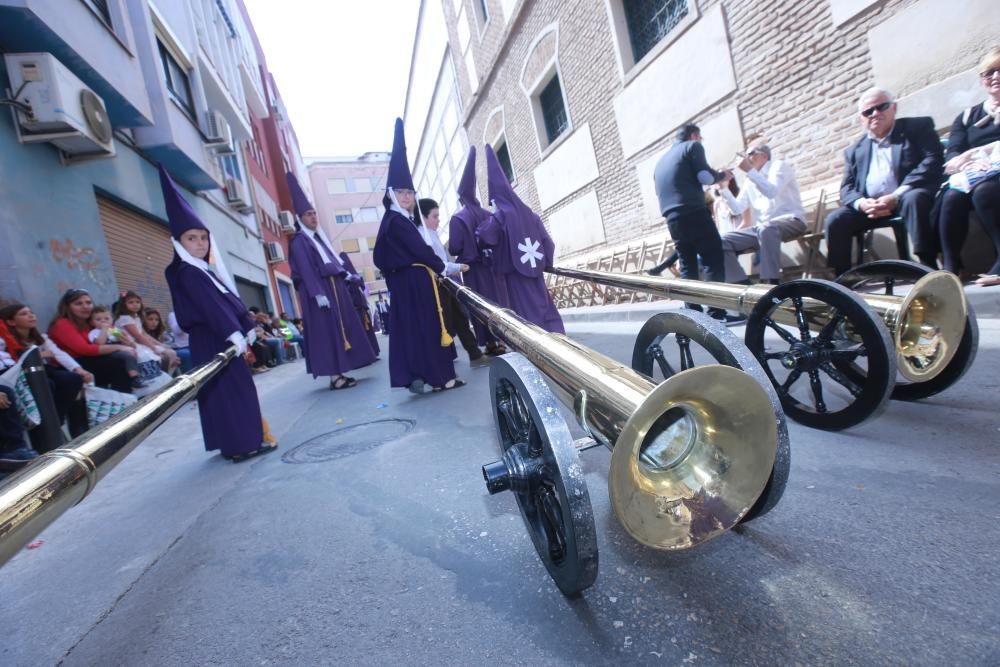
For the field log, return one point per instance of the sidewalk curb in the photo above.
(985, 301)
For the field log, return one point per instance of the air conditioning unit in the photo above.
(218, 134)
(63, 110)
(287, 221)
(274, 252)
(236, 194)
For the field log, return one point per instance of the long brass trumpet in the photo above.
(690, 456)
(34, 497)
(926, 324)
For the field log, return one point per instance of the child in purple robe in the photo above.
(420, 351)
(208, 308)
(522, 250)
(463, 243)
(335, 340)
(359, 299)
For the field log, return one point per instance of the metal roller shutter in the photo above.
(140, 250)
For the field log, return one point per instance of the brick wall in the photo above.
(798, 78)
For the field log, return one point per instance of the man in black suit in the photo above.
(895, 169)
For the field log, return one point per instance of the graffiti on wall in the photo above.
(66, 252)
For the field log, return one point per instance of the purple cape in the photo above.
(356, 288)
(228, 404)
(415, 350)
(522, 249)
(325, 327)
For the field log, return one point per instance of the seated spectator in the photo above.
(771, 195)
(109, 362)
(154, 327)
(128, 316)
(289, 329)
(271, 337)
(178, 341)
(15, 452)
(103, 331)
(973, 134)
(895, 169)
(19, 331)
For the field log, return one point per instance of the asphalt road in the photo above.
(378, 544)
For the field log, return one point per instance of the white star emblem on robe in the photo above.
(530, 250)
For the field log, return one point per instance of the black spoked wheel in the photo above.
(801, 331)
(540, 465)
(895, 277)
(676, 341)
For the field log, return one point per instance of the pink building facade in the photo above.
(348, 196)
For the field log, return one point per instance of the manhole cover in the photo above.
(348, 441)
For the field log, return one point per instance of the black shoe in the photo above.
(734, 320)
(656, 270)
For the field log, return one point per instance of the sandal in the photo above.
(454, 384)
(342, 382)
(263, 449)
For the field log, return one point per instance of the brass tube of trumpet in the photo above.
(34, 497)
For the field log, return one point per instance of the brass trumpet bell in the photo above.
(928, 325)
(693, 458)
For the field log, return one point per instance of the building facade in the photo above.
(348, 197)
(581, 99)
(175, 83)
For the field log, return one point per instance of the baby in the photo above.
(103, 333)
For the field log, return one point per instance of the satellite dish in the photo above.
(95, 115)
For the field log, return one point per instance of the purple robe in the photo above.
(522, 250)
(323, 344)
(356, 286)
(228, 404)
(415, 350)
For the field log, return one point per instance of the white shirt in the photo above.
(881, 178)
(180, 336)
(61, 357)
(6, 361)
(771, 194)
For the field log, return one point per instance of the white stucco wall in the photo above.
(693, 73)
(569, 167)
(578, 225)
(844, 10)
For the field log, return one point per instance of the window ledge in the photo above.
(109, 28)
(548, 150)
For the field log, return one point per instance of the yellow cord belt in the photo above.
(340, 313)
(446, 338)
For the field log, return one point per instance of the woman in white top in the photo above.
(19, 329)
(128, 316)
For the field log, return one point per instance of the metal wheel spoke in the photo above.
(684, 344)
(826, 333)
(551, 520)
(817, 389)
(514, 419)
(848, 354)
(656, 352)
(781, 331)
(789, 381)
(841, 379)
(890, 285)
(800, 318)
(774, 355)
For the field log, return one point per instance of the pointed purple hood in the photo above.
(528, 244)
(345, 259)
(462, 240)
(399, 168)
(467, 186)
(179, 212)
(300, 201)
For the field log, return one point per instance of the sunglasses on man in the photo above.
(867, 113)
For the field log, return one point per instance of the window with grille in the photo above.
(649, 21)
(553, 110)
(503, 157)
(344, 217)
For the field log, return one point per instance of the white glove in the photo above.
(239, 340)
(322, 301)
(451, 268)
(251, 336)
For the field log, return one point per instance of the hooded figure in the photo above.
(335, 340)
(208, 309)
(359, 300)
(522, 250)
(463, 243)
(419, 344)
